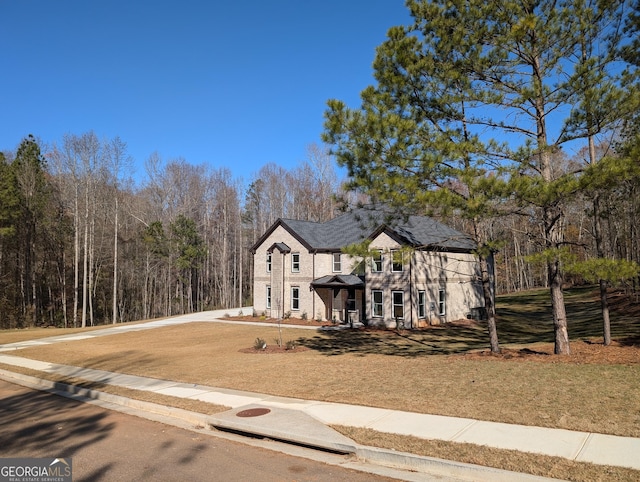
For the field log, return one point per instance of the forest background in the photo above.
(81, 244)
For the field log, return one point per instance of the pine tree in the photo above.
(471, 91)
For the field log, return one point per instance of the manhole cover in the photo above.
(253, 412)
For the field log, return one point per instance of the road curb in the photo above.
(381, 457)
(441, 467)
(82, 394)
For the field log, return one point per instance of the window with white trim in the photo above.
(268, 297)
(295, 298)
(268, 262)
(376, 266)
(441, 302)
(351, 299)
(337, 262)
(376, 303)
(397, 261)
(422, 304)
(398, 304)
(295, 262)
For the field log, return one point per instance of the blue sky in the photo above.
(228, 84)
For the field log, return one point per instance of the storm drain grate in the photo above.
(253, 412)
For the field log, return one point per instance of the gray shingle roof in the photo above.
(338, 281)
(360, 224)
(283, 248)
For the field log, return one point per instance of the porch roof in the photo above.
(283, 248)
(338, 281)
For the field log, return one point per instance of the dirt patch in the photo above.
(274, 321)
(582, 352)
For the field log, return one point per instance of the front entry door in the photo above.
(338, 306)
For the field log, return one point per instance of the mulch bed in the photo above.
(274, 321)
(270, 349)
(582, 352)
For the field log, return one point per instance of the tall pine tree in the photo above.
(470, 91)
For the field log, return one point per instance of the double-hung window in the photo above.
(422, 304)
(268, 297)
(376, 303)
(441, 302)
(295, 262)
(398, 304)
(337, 262)
(268, 262)
(376, 266)
(397, 261)
(295, 298)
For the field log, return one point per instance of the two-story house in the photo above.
(418, 271)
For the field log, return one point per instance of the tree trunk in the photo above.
(488, 292)
(561, 346)
(115, 266)
(85, 259)
(552, 216)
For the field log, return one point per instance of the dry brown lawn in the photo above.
(382, 369)
(535, 464)
(445, 370)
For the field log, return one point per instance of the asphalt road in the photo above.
(106, 445)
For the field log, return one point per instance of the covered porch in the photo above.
(343, 297)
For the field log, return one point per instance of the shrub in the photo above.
(259, 344)
(287, 315)
(304, 315)
(291, 344)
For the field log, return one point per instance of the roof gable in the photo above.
(291, 230)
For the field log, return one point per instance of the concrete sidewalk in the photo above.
(311, 418)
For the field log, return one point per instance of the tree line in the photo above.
(81, 245)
